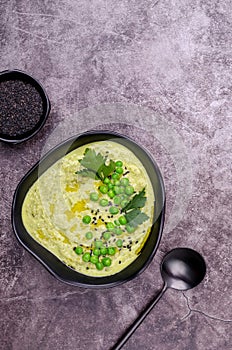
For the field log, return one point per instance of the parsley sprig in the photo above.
(95, 165)
(136, 217)
(138, 201)
(132, 210)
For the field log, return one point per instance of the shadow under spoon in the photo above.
(181, 269)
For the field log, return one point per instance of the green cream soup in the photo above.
(93, 209)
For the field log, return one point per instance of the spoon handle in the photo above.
(139, 320)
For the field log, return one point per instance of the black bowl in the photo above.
(50, 261)
(24, 77)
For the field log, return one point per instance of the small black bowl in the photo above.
(50, 261)
(17, 75)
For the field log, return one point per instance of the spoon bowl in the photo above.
(182, 269)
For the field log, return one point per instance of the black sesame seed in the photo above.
(119, 262)
(21, 107)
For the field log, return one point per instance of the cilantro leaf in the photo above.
(138, 201)
(92, 160)
(95, 165)
(106, 170)
(135, 217)
(87, 173)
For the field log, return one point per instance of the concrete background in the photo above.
(160, 72)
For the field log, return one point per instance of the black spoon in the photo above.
(181, 269)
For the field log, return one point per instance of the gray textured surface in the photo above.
(175, 58)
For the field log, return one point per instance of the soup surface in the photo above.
(93, 209)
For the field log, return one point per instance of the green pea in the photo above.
(117, 200)
(106, 235)
(79, 250)
(129, 190)
(103, 189)
(94, 259)
(119, 170)
(98, 244)
(104, 202)
(116, 189)
(130, 229)
(121, 189)
(94, 196)
(106, 261)
(110, 186)
(86, 219)
(117, 231)
(111, 193)
(117, 183)
(110, 226)
(122, 220)
(96, 251)
(88, 235)
(114, 210)
(115, 176)
(119, 163)
(111, 250)
(123, 196)
(124, 203)
(106, 181)
(119, 243)
(86, 257)
(117, 223)
(124, 181)
(99, 266)
(104, 251)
